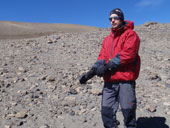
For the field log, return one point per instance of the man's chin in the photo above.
(114, 26)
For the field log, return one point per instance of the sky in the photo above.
(84, 12)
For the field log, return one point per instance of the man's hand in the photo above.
(98, 65)
(85, 77)
(101, 70)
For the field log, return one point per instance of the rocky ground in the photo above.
(39, 85)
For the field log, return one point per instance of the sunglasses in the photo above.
(115, 18)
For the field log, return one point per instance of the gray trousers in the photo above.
(122, 93)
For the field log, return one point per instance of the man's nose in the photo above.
(112, 20)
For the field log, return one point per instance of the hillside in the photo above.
(39, 85)
(19, 30)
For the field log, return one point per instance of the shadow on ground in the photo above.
(151, 122)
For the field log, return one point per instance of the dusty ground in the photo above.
(39, 85)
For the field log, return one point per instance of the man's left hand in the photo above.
(101, 70)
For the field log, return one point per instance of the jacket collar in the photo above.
(117, 31)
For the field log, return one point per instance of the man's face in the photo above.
(115, 21)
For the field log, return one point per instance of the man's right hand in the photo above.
(85, 77)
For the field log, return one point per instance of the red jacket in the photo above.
(125, 42)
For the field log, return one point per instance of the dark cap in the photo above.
(118, 12)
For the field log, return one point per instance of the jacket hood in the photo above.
(128, 24)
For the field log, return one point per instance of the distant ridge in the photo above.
(15, 30)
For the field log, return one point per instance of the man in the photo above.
(119, 64)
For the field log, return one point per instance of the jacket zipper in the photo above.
(111, 55)
(112, 48)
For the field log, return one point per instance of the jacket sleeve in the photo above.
(130, 49)
(101, 58)
(102, 54)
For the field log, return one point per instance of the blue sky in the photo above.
(84, 12)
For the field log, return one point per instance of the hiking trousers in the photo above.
(115, 93)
